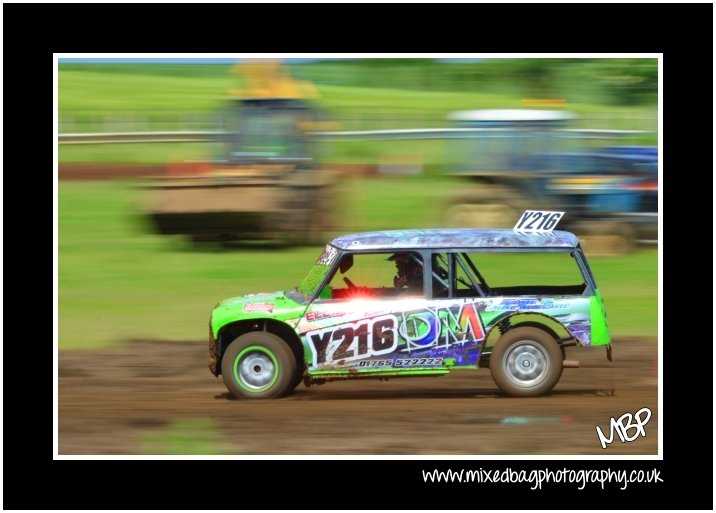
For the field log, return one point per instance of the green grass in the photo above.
(183, 436)
(95, 91)
(119, 281)
(91, 92)
(131, 98)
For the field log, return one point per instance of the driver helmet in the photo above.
(410, 272)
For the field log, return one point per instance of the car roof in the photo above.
(453, 238)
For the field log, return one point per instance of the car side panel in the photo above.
(409, 336)
(572, 312)
(417, 336)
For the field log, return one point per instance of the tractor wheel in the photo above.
(486, 206)
(605, 238)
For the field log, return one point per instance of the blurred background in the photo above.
(204, 179)
(186, 181)
(211, 178)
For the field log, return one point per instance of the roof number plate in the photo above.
(538, 221)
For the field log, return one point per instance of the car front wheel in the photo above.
(258, 365)
(526, 362)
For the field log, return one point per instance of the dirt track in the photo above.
(129, 400)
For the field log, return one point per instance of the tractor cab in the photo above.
(527, 158)
(268, 130)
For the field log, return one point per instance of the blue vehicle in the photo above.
(522, 159)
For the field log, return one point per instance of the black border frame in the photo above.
(32, 480)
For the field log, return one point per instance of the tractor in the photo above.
(529, 159)
(266, 185)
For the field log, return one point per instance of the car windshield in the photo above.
(315, 275)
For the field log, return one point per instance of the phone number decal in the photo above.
(404, 362)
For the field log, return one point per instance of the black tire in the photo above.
(258, 365)
(300, 371)
(297, 381)
(526, 362)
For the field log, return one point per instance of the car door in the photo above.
(454, 310)
(357, 321)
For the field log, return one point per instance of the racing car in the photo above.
(416, 303)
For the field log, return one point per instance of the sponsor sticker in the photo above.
(433, 329)
(258, 307)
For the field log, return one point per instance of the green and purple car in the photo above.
(417, 303)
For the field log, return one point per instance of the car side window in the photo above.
(468, 281)
(452, 277)
(441, 275)
(377, 275)
(463, 284)
(528, 273)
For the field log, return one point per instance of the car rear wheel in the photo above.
(526, 362)
(258, 365)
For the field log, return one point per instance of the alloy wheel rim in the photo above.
(526, 364)
(255, 369)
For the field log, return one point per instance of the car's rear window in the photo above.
(506, 274)
(527, 269)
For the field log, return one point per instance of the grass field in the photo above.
(102, 98)
(118, 281)
(178, 92)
